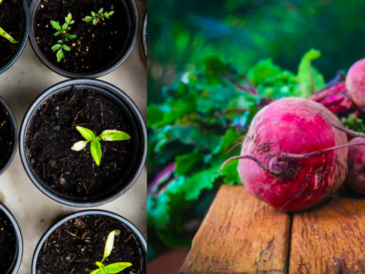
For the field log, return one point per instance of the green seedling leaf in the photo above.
(1, 1)
(95, 147)
(117, 267)
(109, 244)
(102, 267)
(7, 36)
(64, 27)
(86, 133)
(112, 268)
(56, 47)
(96, 151)
(60, 55)
(80, 145)
(114, 135)
(96, 18)
(56, 25)
(66, 48)
(87, 19)
(71, 36)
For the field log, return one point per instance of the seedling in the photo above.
(66, 36)
(6, 35)
(112, 268)
(95, 146)
(97, 17)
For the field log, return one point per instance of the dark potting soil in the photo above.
(76, 245)
(12, 20)
(52, 133)
(6, 137)
(95, 46)
(7, 243)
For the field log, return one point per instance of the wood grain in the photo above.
(330, 239)
(240, 235)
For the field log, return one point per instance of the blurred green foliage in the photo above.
(244, 31)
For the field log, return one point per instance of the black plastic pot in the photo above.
(119, 59)
(19, 250)
(14, 124)
(24, 40)
(131, 226)
(140, 134)
(144, 40)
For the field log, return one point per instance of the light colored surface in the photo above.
(35, 212)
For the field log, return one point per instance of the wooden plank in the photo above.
(330, 239)
(240, 234)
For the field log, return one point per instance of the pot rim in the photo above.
(33, 8)
(125, 221)
(24, 40)
(15, 131)
(53, 90)
(144, 35)
(17, 262)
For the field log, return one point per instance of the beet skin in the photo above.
(356, 163)
(280, 137)
(355, 83)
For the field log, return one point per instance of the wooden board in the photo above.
(240, 235)
(330, 239)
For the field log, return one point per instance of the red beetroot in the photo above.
(356, 163)
(290, 156)
(355, 83)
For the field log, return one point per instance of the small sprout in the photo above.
(7, 36)
(95, 146)
(97, 17)
(66, 36)
(112, 268)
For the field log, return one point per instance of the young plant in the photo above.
(95, 146)
(112, 268)
(6, 35)
(66, 36)
(97, 17)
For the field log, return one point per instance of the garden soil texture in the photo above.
(12, 20)
(96, 46)
(8, 243)
(7, 137)
(76, 245)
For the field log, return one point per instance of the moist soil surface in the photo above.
(12, 20)
(52, 132)
(7, 243)
(6, 137)
(76, 245)
(96, 46)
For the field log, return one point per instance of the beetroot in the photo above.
(356, 164)
(355, 83)
(293, 157)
